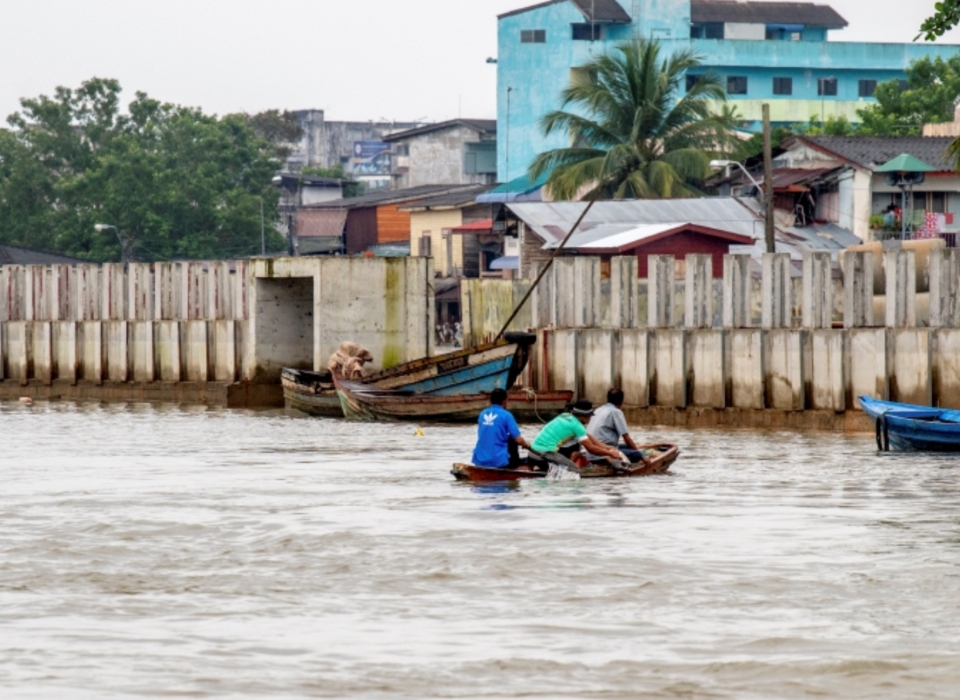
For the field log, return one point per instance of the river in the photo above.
(164, 551)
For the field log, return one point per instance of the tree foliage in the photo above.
(634, 131)
(281, 129)
(175, 183)
(945, 17)
(351, 188)
(932, 89)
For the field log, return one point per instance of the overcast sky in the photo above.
(356, 59)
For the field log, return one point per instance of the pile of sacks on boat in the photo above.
(348, 361)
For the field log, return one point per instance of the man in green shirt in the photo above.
(567, 427)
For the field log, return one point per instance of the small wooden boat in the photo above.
(365, 403)
(659, 459)
(904, 426)
(311, 392)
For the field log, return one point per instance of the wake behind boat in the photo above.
(904, 426)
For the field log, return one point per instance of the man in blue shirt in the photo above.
(497, 435)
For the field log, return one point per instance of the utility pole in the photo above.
(768, 180)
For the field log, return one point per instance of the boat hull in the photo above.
(667, 455)
(910, 427)
(311, 392)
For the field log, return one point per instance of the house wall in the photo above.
(393, 225)
(436, 222)
(361, 230)
(537, 73)
(681, 245)
(437, 158)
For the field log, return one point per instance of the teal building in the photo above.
(774, 52)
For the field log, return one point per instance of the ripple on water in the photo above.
(160, 550)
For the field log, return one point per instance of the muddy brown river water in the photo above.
(159, 551)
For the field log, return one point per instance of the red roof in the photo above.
(483, 226)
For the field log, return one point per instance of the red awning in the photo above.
(484, 226)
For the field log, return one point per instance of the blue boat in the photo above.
(906, 426)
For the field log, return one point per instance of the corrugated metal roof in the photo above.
(872, 151)
(381, 197)
(552, 220)
(458, 198)
(483, 126)
(805, 13)
(593, 10)
(15, 255)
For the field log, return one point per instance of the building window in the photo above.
(867, 88)
(586, 32)
(737, 85)
(783, 86)
(827, 87)
(707, 30)
(692, 80)
(401, 149)
(533, 36)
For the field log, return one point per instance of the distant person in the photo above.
(566, 433)
(498, 435)
(609, 426)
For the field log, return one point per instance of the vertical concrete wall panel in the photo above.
(866, 364)
(783, 369)
(116, 351)
(564, 274)
(900, 268)
(668, 381)
(64, 293)
(224, 351)
(3, 348)
(194, 291)
(142, 350)
(41, 351)
(194, 351)
(17, 344)
(707, 368)
(623, 291)
(597, 355)
(737, 311)
(113, 292)
(858, 289)
(90, 344)
(777, 301)
(65, 351)
(944, 287)
(89, 304)
(167, 354)
(634, 367)
(698, 291)
(745, 358)
(661, 286)
(563, 362)
(817, 290)
(910, 365)
(824, 374)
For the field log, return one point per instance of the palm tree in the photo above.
(641, 136)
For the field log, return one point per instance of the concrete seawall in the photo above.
(199, 332)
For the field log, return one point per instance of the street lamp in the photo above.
(125, 257)
(717, 164)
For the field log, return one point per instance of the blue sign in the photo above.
(371, 158)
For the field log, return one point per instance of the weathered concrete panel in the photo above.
(18, 347)
(745, 359)
(598, 350)
(777, 300)
(224, 351)
(623, 291)
(944, 288)
(707, 371)
(668, 381)
(817, 290)
(783, 369)
(90, 344)
(946, 367)
(824, 374)
(167, 353)
(858, 289)
(63, 293)
(562, 361)
(65, 351)
(661, 286)
(194, 351)
(910, 365)
(40, 360)
(113, 292)
(900, 267)
(698, 291)
(3, 347)
(634, 369)
(866, 364)
(116, 351)
(140, 287)
(142, 350)
(737, 312)
(89, 304)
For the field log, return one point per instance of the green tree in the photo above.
(351, 188)
(280, 129)
(946, 16)
(175, 182)
(634, 132)
(932, 89)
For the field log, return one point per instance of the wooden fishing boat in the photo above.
(445, 387)
(659, 459)
(904, 426)
(361, 402)
(311, 392)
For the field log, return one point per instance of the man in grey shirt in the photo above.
(609, 426)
